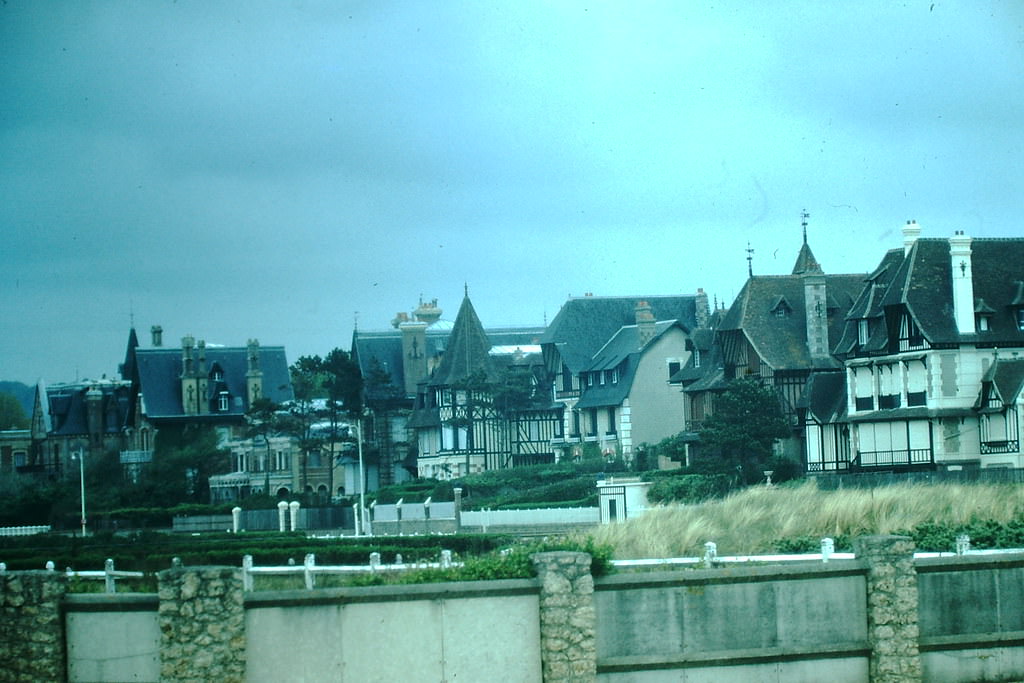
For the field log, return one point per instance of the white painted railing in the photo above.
(108, 574)
(309, 569)
(24, 530)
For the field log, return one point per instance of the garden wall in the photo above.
(881, 617)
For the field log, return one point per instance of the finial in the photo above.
(750, 260)
(355, 321)
(803, 222)
(465, 287)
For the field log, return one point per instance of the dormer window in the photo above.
(217, 373)
(983, 316)
(696, 358)
(781, 308)
(223, 401)
(863, 332)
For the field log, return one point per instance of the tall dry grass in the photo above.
(750, 521)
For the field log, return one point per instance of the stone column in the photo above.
(31, 626)
(892, 607)
(568, 622)
(202, 624)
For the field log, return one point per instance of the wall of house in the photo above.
(883, 616)
(656, 407)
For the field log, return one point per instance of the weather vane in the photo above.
(750, 260)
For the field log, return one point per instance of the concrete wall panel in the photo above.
(113, 646)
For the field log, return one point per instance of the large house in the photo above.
(609, 360)
(781, 330)
(480, 409)
(933, 362)
(395, 363)
(216, 386)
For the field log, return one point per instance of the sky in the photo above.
(287, 170)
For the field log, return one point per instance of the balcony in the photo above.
(993, 447)
(136, 457)
(899, 458)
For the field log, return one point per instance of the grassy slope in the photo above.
(753, 520)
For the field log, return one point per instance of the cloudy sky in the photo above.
(280, 170)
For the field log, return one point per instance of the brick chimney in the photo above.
(911, 231)
(702, 311)
(644, 322)
(816, 314)
(94, 415)
(963, 282)
(157, 334)
(253, 374)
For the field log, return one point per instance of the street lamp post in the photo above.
(81, 479)
(362, 476)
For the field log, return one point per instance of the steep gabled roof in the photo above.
(622, 351)
(805, 262)
(584, 324)
(1006, 377)
(824, 396)
(67, 407)
(781, 341)
(920, 282)
(467, 352)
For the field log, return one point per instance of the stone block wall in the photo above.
(202, 625)
(568, 623)
(31, 627)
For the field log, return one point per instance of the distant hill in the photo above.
(25, 394)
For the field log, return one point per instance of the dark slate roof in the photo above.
(384, 347)
(622, 351)
(805, 262)
(159, 372)
(825, 396)
(782, 342)
(585, 324)
(467, 352)
(921, 282)
(68, 412)
(1007, 377)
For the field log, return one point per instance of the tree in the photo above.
(12, 415)
(263, 422)
(746, 422)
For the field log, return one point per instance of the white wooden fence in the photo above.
(24, 530)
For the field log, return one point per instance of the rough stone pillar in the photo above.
(202, 624)
(31, 627)
(568, 622)
(892, 607)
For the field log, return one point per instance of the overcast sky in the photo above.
(279, 170)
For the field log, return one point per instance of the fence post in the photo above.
(828, 546)
(963, 544)
(374, 561)
(109, 582)
(282, 513)
(236, 519)
(892, 608)
(294, 506)
(308, 565)
(710, 554)
(246, 574)
(446, 559)
(568, 620)
(458, 509)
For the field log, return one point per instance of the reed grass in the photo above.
(752, 521)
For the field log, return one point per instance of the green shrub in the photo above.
(688, 488)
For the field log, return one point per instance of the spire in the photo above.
(467, 350)
(805, 261)
(750, 260)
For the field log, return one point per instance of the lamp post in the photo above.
(80, 456)
(362, 475)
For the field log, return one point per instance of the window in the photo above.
(984, 323)
(615, 376)
(222, 401)
(862, 332)
(696, 358)
(592, 422)
(601, 376)
(590, 379)
(611, 420)
(673, 368)
(781, 312)
(1020, 319)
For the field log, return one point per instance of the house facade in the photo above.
(395, 365)
(216, 386)
(933, 367)
(571, 348)
(781, 330)
(479, 410)
(627, 399)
